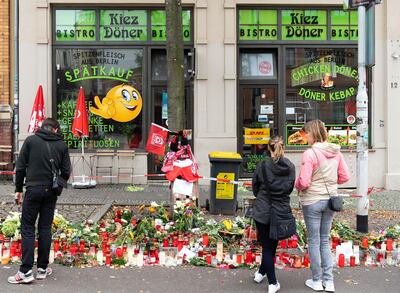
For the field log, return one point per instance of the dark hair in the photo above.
(50, 124)
(276, 147)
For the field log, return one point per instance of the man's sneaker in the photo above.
(21, 278)
(329, 286)
(274, 288)
(315, 285)
(258, 278)
(43, 273)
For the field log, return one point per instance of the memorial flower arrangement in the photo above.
(152, 235)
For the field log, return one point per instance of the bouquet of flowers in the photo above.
(11, 227)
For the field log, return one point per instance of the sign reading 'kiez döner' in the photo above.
(295, 25)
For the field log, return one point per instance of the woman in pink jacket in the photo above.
(322, 169)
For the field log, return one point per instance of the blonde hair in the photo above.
(316, 128)
(276, 147)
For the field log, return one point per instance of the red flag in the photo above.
(157, 139)
(37, 115)
(80, 124)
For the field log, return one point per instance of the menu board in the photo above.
(344, 135)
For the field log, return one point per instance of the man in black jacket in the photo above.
(41, 155)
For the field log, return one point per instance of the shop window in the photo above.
(321, 83)
(257, 65)
(123, 25)
(159, 65)
(112, 81)
(75, 25)
(159, 25)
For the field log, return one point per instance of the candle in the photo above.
(119, 252)
(108, 259)
(100, 257)
(356, 251)
(165, 242)
(389, 244)
(306, 261)
(56, 245)
(364, 243)
(341, 260)
(352, 260)
(205, 239)
(220, 250)
(248, 257)
(258, 258)
(51, 256)
(175, 241)
(239, 258)
(282, 244)
(161, 257)
(208, 259)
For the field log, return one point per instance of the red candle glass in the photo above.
(205, 239)
(341, 260)
(379, 257)
(352, 261)
(364, 243)
(306, 261)
(389, 244)
(200, 253)
(283, 244)
(239, 258)
(208, 259)
(165, 242)
(119, 252)
(108, 259)
(249, 257)
(56, 245)
(175, 241)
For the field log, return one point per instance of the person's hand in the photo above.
(18, 198)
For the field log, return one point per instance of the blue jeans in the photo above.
(318, 218)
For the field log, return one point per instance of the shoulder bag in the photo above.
(58, 182)
(335, 202)
(282, 226)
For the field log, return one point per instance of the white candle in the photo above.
(161, 257)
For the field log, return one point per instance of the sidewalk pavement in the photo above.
(196, 279)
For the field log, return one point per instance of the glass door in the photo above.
(159, 100)
(257, 122)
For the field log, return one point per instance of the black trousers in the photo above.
(268, 252)
(38, 201)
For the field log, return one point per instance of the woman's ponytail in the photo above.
(276, 147)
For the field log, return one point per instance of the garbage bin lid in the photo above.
(225, 155)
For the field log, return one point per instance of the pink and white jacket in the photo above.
(322, 169)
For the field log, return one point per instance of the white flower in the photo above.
(154, 204)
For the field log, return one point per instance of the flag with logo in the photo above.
(37, 115)
(157, 139)
(80, 124)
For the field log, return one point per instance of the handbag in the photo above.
(335, 202)
(282, 226)
(58, 182)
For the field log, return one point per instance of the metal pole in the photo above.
(362, 127)
(16, 78)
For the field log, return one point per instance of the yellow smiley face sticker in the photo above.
(122, 103)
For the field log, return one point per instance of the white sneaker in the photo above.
(329, 286)
(315, 285)
(258, 278)
(274, 288)
(43, 273)
(21, 278)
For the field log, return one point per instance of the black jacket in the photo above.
(34, 160)
(276, 194)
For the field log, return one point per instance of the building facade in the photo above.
(252, 69)
(5, 86)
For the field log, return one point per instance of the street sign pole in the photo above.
(362, 127)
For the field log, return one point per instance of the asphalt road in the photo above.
(197, 279)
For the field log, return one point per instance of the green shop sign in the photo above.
(115, 25)
(297, 25)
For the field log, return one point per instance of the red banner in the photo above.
(157, 140)
(37, 115)
(80, 124)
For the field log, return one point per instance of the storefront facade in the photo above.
(262, 68)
